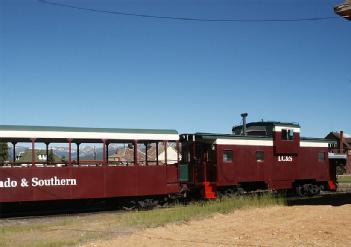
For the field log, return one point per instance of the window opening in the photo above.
(321, 156)
(227, 156)
(6, 153)
(161, 153)
(259, 156)
(151, 153)
(121, 154)
(287, 134)
(141, 150)
(172, 153)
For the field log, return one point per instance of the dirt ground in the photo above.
(273, 226)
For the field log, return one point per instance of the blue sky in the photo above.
(67, 67)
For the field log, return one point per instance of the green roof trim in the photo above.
(85, 129)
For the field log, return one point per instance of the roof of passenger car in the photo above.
(56, 132)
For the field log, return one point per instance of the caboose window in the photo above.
(287, 134)
(227, 156)
(291, 134)
(321, 156)
(259, 156)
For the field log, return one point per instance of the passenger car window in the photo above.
(227, 156)
(259, 156)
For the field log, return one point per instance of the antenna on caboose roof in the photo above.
(244, 116)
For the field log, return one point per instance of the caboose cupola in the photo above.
(286, 138)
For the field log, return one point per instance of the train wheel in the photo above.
(130, 206)
(239, 192)
(164, 202)
(301, 190)
(147, 204)
(314, 189)
(229, 192)
(220, 194)
(308, 189)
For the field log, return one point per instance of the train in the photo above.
(157, 165)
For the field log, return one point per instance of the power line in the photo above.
(178, 18)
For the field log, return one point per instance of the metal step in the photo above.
(209, 191)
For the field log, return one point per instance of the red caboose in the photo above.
(259, 155)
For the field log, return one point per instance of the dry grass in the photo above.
(75, 230)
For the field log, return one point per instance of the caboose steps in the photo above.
(209, 190)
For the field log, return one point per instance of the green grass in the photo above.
(344, 179)
(75, 230)
(199, 209)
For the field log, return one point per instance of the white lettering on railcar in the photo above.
(37, 182)
(8, 183)
(285, 158)
(53, 182)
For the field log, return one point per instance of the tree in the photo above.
(4, 152)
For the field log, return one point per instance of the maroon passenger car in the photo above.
(72, 178)
(261, 155)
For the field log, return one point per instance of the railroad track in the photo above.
(325, 198)
(64, 212)
(329, 198)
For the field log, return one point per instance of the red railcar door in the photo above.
(227, 166)
(205, 163)
(211, 161)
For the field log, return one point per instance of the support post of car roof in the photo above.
(103, 152)
(14, 152)
(69, 151)
(135, 143)
(33, 151)
(78, 153)
(146, 149)
(165, 144)
(47, 152)
(106, 154)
